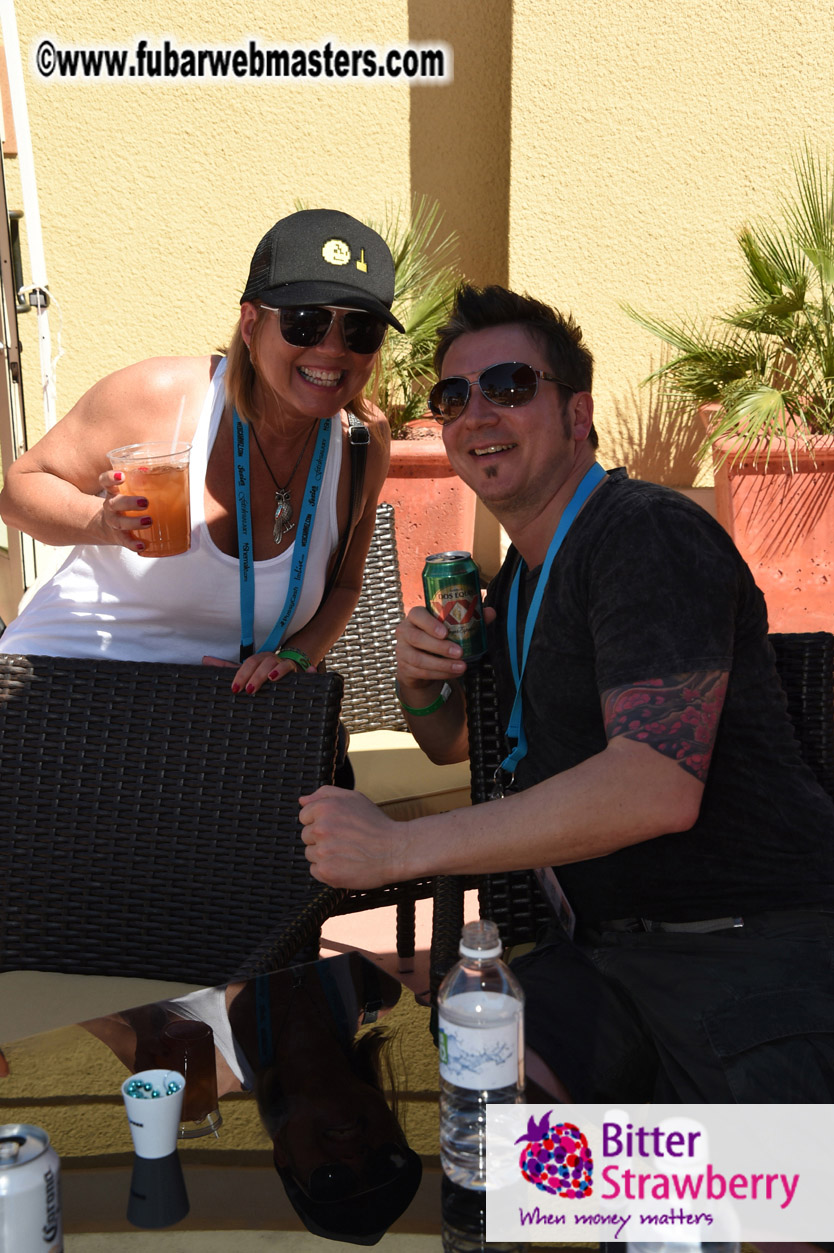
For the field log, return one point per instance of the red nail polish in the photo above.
(235, 687)
(117, 476)
(250, 689)
(141, 503)
(273, 674)
(140, 547)
(145, 522)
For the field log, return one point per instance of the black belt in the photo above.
(702, 925)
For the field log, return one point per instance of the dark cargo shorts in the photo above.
(742, 1015)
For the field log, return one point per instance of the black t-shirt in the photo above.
(647, 585)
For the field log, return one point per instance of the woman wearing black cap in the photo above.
(313, 316)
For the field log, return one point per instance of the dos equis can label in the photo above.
(452, 588)
(30, 1191)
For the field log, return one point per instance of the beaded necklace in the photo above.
(284, 520)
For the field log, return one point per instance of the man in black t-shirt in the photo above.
(654, 764)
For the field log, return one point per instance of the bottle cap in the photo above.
(480, 939)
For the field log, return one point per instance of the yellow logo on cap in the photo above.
(362, 264)
(336, 252)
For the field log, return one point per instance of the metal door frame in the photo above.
(17, 557)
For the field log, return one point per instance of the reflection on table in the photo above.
(343, 1071)
(308, 1043)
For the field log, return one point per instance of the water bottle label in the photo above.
(479, 1054)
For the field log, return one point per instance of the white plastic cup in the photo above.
(154, 1121)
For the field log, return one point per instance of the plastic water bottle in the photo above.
(480, 1009)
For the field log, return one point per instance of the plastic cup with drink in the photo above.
(159, 472)
(188, 1046)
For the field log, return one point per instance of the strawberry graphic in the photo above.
(556, 1158)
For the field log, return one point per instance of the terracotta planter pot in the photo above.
(783, 525)
(435, 510)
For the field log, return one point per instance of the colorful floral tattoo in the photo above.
(677, 716)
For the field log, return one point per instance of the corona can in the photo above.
(30, 1192)
(452, 587)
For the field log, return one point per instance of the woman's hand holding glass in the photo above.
(117, 526)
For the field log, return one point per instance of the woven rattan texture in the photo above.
(297, 939)
(148, 818)
(514, 901)
(364, 656)
(806, 668)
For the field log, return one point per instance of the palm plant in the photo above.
(425, 281)
(769, 362)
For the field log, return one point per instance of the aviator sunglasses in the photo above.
(509, 384)
(304, 326)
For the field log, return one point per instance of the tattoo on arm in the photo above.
(677, 716)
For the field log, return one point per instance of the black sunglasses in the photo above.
(336, 1181)
(510, 383)
(304, 326)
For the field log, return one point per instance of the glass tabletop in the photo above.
(314, 1109)
(311, 1117)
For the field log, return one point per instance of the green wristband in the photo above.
(296, 655)
(445, 693)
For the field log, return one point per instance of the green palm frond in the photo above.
(775, 265)
(425, 280)
(707, 360)
(688, 337)
(766, 323)
(770, 361)
(811, 215)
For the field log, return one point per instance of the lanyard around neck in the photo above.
(301, 547)
(515, 727)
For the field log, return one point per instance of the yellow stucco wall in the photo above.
(643, 135)
(589, 156)
(153, 195)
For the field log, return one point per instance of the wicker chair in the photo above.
(149, 819)
(365, 658)
(365, 653)
(806, 669)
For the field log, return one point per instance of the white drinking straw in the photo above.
(179, 424)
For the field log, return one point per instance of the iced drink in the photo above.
(189, 1047)
(160, 474)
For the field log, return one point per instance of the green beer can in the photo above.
(452, 587)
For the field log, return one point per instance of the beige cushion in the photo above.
(32, 1001)
(395, 773)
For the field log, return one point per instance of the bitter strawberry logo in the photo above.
(557, 1158)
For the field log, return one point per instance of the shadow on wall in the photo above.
(460, 135)
(654, 437)
(782, 510)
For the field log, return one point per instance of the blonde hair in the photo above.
(242, 374)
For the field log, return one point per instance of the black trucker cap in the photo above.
(323, 257)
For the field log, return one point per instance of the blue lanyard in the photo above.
(301, 548)
(515, 727)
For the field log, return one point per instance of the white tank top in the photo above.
(106, 601)
(209, 1005)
